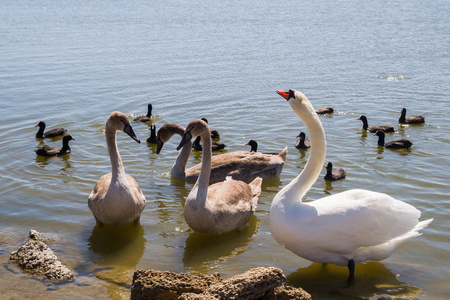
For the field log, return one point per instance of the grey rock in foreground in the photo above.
(257, 283)
(36, 257)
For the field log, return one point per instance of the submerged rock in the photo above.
(36, 257)
(286, 292)
(257, 283)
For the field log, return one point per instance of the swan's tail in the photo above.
(255, 185)
(283, 153)
(422, 225)
(415, 231)
(383, 251)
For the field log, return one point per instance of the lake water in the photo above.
(72, 63)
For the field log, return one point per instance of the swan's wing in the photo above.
(136, 190)
(230, 204)
(231, 197)
(227, 160)
(222, 161)
(241, 165)
(99, 191)
(257, 162)
(358, 218)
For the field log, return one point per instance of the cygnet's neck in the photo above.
(201, 185)
(179, 167)
(205, 171)
(117, 168)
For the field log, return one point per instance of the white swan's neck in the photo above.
(298, 187)
(117, 168)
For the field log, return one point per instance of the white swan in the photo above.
(223, 206)
(343, 229)
(241, 165)
(116, 198)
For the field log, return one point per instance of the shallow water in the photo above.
(71, 64)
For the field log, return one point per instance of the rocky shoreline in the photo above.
(36, 258)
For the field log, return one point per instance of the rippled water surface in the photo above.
(72, 63)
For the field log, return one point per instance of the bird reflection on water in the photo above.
(374, 281)
(204, 252)
(117, 245)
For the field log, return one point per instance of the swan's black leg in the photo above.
(351, 269)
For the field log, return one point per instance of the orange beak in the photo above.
(284, 94)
